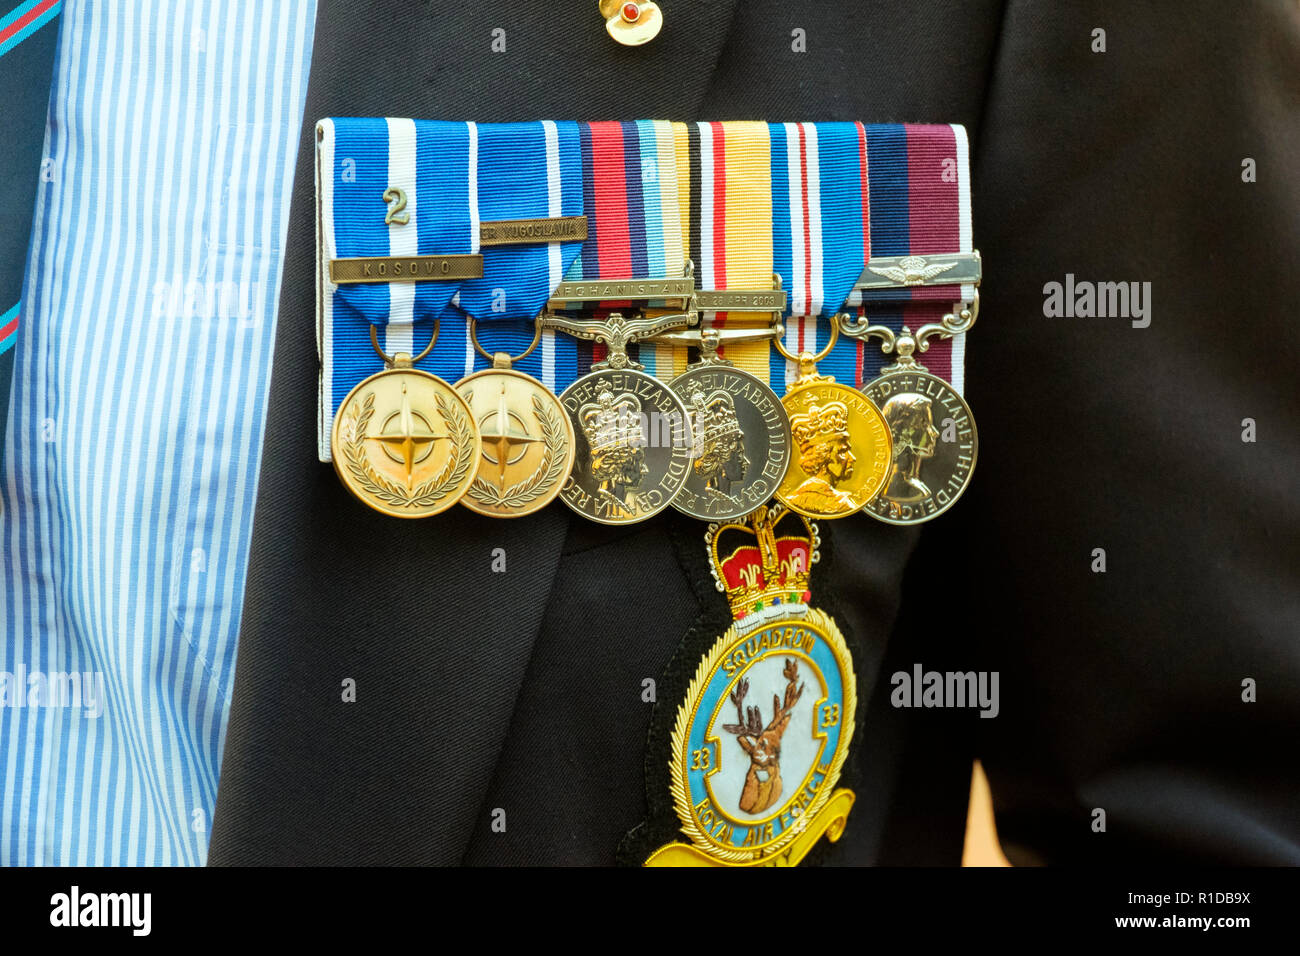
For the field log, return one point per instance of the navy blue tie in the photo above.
(28, 37)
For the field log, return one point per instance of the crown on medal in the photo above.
(763, 560)
(820, 421)
(714, 417)
(612, 421)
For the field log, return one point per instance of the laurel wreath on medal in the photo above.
(426, 493)
(687, 712)
(543, 477)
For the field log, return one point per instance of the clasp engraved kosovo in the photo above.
(448, 268)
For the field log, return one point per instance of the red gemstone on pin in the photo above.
(631, 12)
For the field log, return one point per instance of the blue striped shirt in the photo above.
(134, 435)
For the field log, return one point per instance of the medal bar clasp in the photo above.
(743, 300)
(894, 272)
(510, 232)
(954, 323)
(677, 292)
(673, 293)
(435, 268)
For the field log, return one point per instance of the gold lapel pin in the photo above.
(631, 23)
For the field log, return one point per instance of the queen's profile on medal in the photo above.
(825, 455)
(911, 423)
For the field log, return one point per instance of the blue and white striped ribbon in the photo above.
(454, 176)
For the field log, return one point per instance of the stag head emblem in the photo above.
(763, 743)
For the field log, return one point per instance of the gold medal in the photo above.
(842, 445)
(403, 441)
(527, 438)
(935, 442)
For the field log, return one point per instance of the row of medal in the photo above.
(619, 445)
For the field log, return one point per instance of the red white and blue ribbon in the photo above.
(809, 202)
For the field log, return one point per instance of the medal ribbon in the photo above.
(783, 198)
(812, 202)
(839, 194)
(821, 233)
(634, 224)
(729, 226)
(524, 171)
(623, 178)
(454, 177)
(919, 185)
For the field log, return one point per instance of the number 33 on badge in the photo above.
(760, 740)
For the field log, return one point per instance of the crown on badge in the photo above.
(714, 417)
(612, 421)
(819, 422)
(763, 560)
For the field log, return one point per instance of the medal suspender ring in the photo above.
(497, 357)
(397, 360)
(807, 361)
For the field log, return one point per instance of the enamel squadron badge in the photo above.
(760, 740)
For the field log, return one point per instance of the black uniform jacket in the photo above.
(1119, 156)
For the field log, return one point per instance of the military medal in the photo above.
(783, 228)
(739, 427)
(842, 444)
(527, 438)
(929, 469)
(761, 737)
(404, 442)
(935, 442)
(928, 472)
(631, 430)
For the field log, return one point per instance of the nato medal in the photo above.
(842, 444)
(741, 437)
(404, 442)
(935, 442)
(753, 783)
(527, 437)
